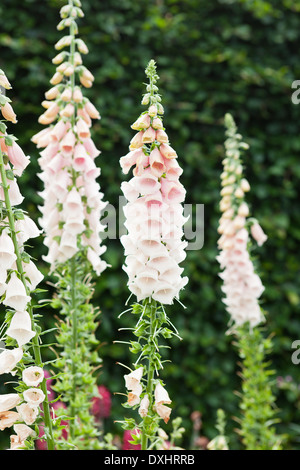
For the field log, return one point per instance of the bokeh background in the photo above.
(213, 57)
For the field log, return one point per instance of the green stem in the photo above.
(151, 368)
(35, 340)
(74, 340)
(73, 261)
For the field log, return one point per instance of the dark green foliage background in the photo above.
(213, 57)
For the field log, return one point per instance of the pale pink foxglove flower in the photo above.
(153, 214)
(17, 158)
(68, 171)
(241, 284)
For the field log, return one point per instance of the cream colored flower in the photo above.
(144, 406)
(162, 397)
(8, 401)
(28, 413)
(134, 378)
(9, 359)
(23, 431)
(17, 440)
(20, 328)
(134, 395)
(34, 396)
(33, 376)
(7, 419)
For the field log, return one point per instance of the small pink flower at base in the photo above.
(41, 444)
(59, 405)
(127, 437)
(51, 394)
(101, 405)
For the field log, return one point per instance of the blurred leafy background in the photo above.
(237, 56)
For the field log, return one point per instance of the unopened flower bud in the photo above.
(239, 193)
(59, 58)
(152, 110)
(82, 47)
(69, 71)
(66, 94)
(77, 95)
(8, 113)
(146, 99)
(52, 93)
(4, 82)
(245, 185)
(56, 79)
(63, 42)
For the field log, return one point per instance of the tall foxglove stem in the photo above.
(151, 370)
(35, 339)
(72, 261)
(21, 279)
(71, 219)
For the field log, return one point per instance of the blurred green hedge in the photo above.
(213, 57)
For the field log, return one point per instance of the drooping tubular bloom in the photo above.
(241, 284)
(154, 246)
(72, 198)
